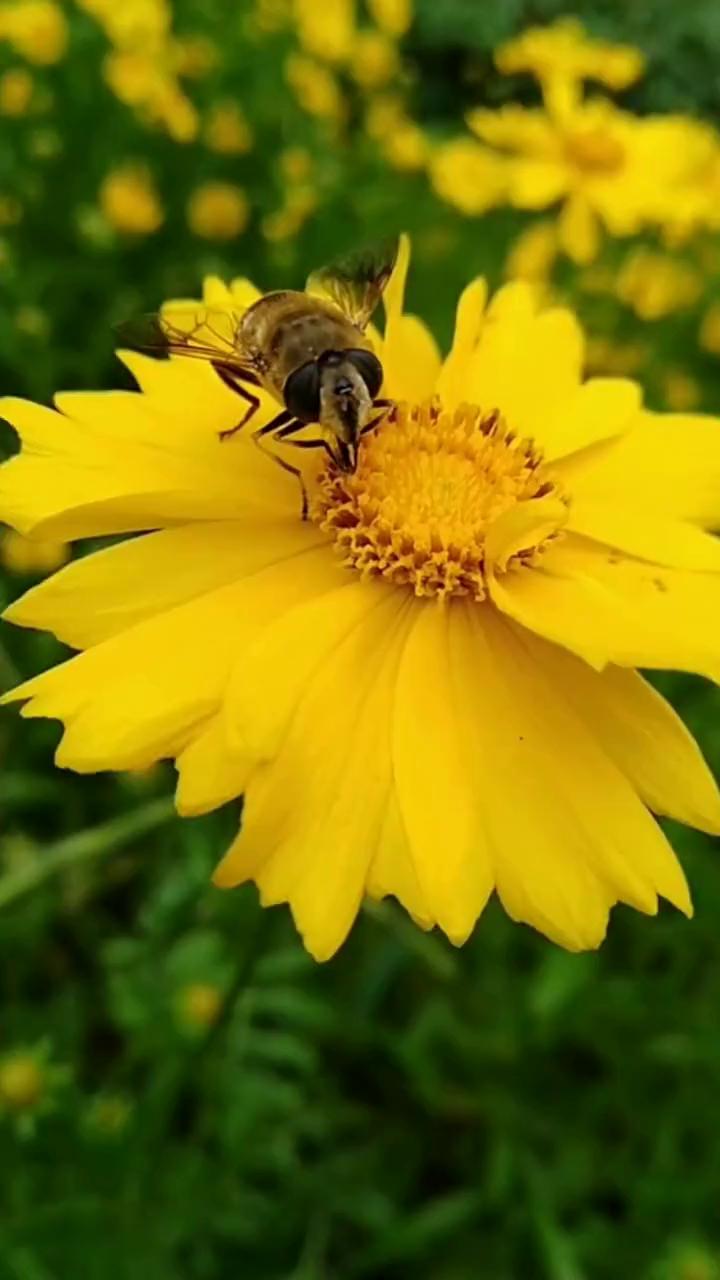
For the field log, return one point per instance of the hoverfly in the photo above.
(308, 349)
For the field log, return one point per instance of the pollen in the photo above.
(428, 486)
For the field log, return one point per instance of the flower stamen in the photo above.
(428, 487)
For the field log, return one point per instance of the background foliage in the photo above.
(183, 1092)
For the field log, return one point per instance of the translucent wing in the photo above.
(187, 329)
(356, 283)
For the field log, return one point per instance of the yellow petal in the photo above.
(438, 802)
(411, 360)
(210, 771)
(668, 463)
(579, 230)
(392, 871)
(674, 543)
(535, 184)
(521, 527)
(452, 380)
(313, 816)
(607, 608)
(103, 594)
(394, 295)
(643, 735)
(568, 834)
(133, 698)
(600, 409)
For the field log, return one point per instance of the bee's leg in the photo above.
(234, 381)
(282, 425)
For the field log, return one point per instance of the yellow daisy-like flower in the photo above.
(607, 167)
(427, 688)
(565, 50)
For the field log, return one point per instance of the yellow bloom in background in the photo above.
(144, 84)
(325, 28)
(194, 56)
(218, 211)
(606, 167)
(36, 29)
(295, 164)
(22, 1081)
(374, 59)
(619, 359)
(392, 16)
(467, 176)
(31, 555)
(709, 335)
(427, 688)
(16, 92)
(315, 88)
(533, 254)
(227, 131)
(564, 50)
(130, 202)
(655, 285)
(407, 147)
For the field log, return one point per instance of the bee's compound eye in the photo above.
(369, 368)
(302, 392)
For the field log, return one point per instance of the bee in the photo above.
(307, 348)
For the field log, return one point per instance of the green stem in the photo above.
(83, 847)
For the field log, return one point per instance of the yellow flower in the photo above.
(130, 202)
(427, 688)
(603, 356)
(392, 16)
(295, 164)
(374, 59)
(406, 147)
(21, 1081)
(565, 50)
(709, 336)
(468, 176)
(326, 28)
(605, 166)
(144, 83)
(198, 1005)
(31, 555)
(193, 56)
(16, 91)
(36, 29)
(656, 285)
(227, 131)
(218, 211)
(532, 255)
(315, 88)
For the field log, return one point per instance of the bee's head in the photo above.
(337, 390)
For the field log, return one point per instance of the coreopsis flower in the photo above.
(218, 211)
(606, 167)
(564, 50)
(16, 92)
(326, 30)
(467, 176)
(392, 16)
(36, 29)
(427, 688)
(227, 131)
(655, 285)
(130, 202)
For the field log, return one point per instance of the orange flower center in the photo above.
(595, 151)
(428, 486)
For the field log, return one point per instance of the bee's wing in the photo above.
(356, 283)
(186, 329)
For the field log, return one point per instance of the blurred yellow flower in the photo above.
(315, 87)
(709, 336)
(655, 285)
(681, 390)
(606, 167)
(565, 50)
(198, 1005)
(130, 202)
(37, 29)
(22, 1081)
(139, 81)
(218, 211)
(513, 542)
(326, 28)
(468, 176)
(407, 147)
(532, 255)
(295, 164)
(31, 555)
(392, 16)
(16, 92)
(620, 359)
(193, 56)
(374, 59)
(384, 113)
(227, 131)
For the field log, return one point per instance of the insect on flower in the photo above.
(307, 348)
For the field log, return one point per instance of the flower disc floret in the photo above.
(428, 487)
